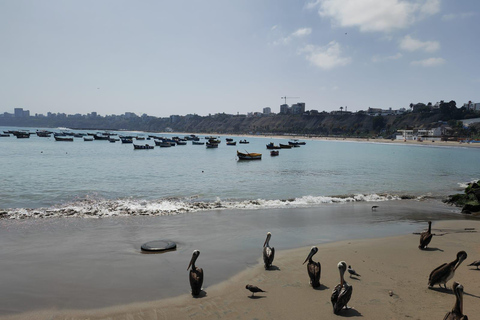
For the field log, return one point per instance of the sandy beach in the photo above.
(392, 285)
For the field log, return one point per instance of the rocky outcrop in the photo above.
(469, 200)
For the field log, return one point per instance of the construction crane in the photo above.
(285, 98)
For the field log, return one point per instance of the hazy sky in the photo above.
(178, 57)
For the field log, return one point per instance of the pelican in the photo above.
(253, 289)
(475, 264)
(196, 274)
(446, 271)
(426, 237)
(314, 268)
(342, 292)
(457, 311)
(268, 252)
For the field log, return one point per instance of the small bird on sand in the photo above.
(253, 289)
(352, 272)
(374, 208)
(474, 263)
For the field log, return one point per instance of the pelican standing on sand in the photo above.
(268, 252)
(196, 275)
(446, 271)
(342, 292)
(314, 268)
(426, 237)
(457, 311)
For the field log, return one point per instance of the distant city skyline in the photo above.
(164, 58)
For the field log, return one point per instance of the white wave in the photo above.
(101, 208)
(463, 185)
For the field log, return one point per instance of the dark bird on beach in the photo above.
(352, 272)
(374, 208)
(426, 237)
(342, 292)
(253, 289)
(457, 311)
(475, 264)
(196, 274)
(268, 252)
(314, 269)
(446, 271)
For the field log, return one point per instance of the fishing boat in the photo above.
(87, 138)
(229, 139)
(142, 147)
(274, 153)
(285, 146)
(211, 145)
(231, 143)
(296, 142)
(63, 138)
(243, 141)
(126, 140)
(272, 146)
(249, 156)
(43, 134)
(199, 143)
(162, 143)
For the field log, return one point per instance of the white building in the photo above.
(267, 110)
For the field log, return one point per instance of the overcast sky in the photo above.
(180, 57)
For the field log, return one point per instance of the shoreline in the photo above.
(385, 264)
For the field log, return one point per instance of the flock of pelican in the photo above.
(342, 292)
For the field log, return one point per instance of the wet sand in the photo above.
(392, 285)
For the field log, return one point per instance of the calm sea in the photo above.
(41, 176)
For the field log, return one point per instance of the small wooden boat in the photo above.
(228, 139)
(4, 135)
(21, 135)
(142, 147)
(272, 146)
(44, 134)
(211, 145)
(249, 156)
(296, 142)
(162, 143)
(285, 146)
(63, 138)
(231, 143)
(194, 142)
(274, 153)
(243, 141)
(87, 138)
(181, 142)
(126, 140)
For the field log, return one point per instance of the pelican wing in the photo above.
(341, 296)
(196, 280)
(314, 270)
(268, 255)
(454, 316)
(425, 238)
(439, 274)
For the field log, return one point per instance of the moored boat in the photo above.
(142, 147)
(198, 142)
(285, 146)
(249, 156)
(296, 142)
(272, 146)
(231, 143)
(63, 138)
(274, 153)
(243, 141)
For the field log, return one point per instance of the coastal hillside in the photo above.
(322, 124)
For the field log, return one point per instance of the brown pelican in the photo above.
(475, 263)
(253, 289)
(314, 268)
(457, 311)
(196, 274)
(446, 271)
(352, 272)
(268, 252)
(342, 292)
(426, 237)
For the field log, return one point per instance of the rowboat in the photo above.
(285, 146)
(249, 156)
(272, 146)
(63, 138)
(142, 147)
(274, 153)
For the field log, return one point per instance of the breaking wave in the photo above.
(101, 208)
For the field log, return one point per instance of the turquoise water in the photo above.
(102, 178)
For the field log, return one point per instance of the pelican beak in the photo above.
(190, 264)
(462, 258)
(309, 256)
(194, 257)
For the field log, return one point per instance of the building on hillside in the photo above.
(298, 108)
(284, 109)
(267, 110)
(434, 134)
(473, 106)
(20, 113)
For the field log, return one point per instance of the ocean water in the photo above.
(43, 177)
